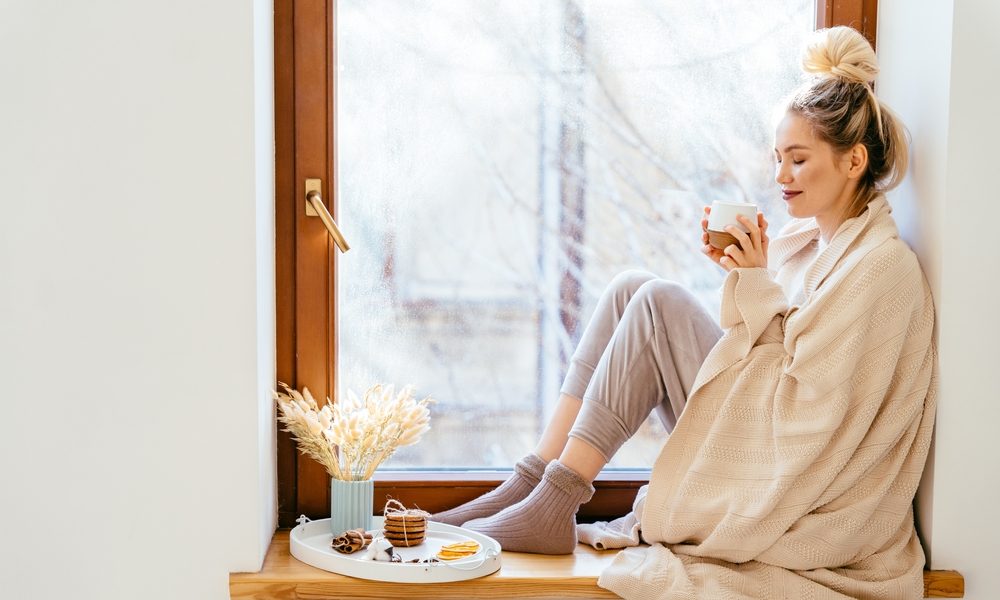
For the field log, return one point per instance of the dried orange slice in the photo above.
(458, 550)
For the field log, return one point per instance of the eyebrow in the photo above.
(794, 147)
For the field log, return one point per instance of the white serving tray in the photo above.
(310, 543)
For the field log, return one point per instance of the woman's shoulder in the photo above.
(890, 251)
(887, 263)
(874, 276)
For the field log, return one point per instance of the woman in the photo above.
(800, 428)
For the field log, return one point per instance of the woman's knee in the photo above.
(629, 282)
(666, 295)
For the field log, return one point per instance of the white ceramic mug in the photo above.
(724, 214)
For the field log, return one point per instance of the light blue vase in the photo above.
(351, 505)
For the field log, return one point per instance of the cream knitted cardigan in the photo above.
(792, 470)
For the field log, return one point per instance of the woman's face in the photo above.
(815, 181)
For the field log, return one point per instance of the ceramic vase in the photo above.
(351, 505)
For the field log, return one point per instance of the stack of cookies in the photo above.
(403, 527)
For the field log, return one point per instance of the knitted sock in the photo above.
(545, 521)
(527, 472)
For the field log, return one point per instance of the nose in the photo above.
(782, 172)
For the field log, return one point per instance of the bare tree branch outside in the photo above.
(501, 161)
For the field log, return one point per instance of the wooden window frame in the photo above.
(306, 265)
(859, 14)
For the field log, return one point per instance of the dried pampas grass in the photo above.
(354, 436)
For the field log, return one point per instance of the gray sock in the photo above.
(527, 473)
(545, 521)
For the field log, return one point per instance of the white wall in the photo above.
(938, 62)
(136, 296)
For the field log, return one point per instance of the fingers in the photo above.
(736, 257)
(754, 229)
(752, 249)
(713, 253)
(741, 237)
(754, 233)
(764, 239)
(729, 261)
(734, 254)
(707, 249)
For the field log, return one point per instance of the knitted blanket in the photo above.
(792, 471)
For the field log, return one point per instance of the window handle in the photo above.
(316, 208)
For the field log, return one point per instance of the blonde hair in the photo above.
(839, 103)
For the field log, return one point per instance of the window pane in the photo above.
(500, 162)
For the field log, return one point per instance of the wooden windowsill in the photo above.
(521, 576)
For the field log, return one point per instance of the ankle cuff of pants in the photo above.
(601, 428)
(578, 377)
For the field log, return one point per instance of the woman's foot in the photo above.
(545, 521)
(527, 473)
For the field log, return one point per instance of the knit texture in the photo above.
(545, 521)
(527, 473)
(792, 470)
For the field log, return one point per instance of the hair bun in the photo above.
(840, 52)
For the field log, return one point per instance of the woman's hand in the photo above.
(751, 250)
(713, 253)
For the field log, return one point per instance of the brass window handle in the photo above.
(316, 208)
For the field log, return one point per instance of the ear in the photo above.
(858, 156)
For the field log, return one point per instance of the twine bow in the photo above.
(401, 511)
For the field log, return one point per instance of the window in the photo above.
(498, 163)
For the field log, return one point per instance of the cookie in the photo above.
(405, 541)
(397, 519)
(410, 531)
(404, 521)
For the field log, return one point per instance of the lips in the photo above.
(789, 194)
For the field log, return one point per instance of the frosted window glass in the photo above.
(500, 162)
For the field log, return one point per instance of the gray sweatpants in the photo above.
(640, 353)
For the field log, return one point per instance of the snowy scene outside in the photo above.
(500, 161)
